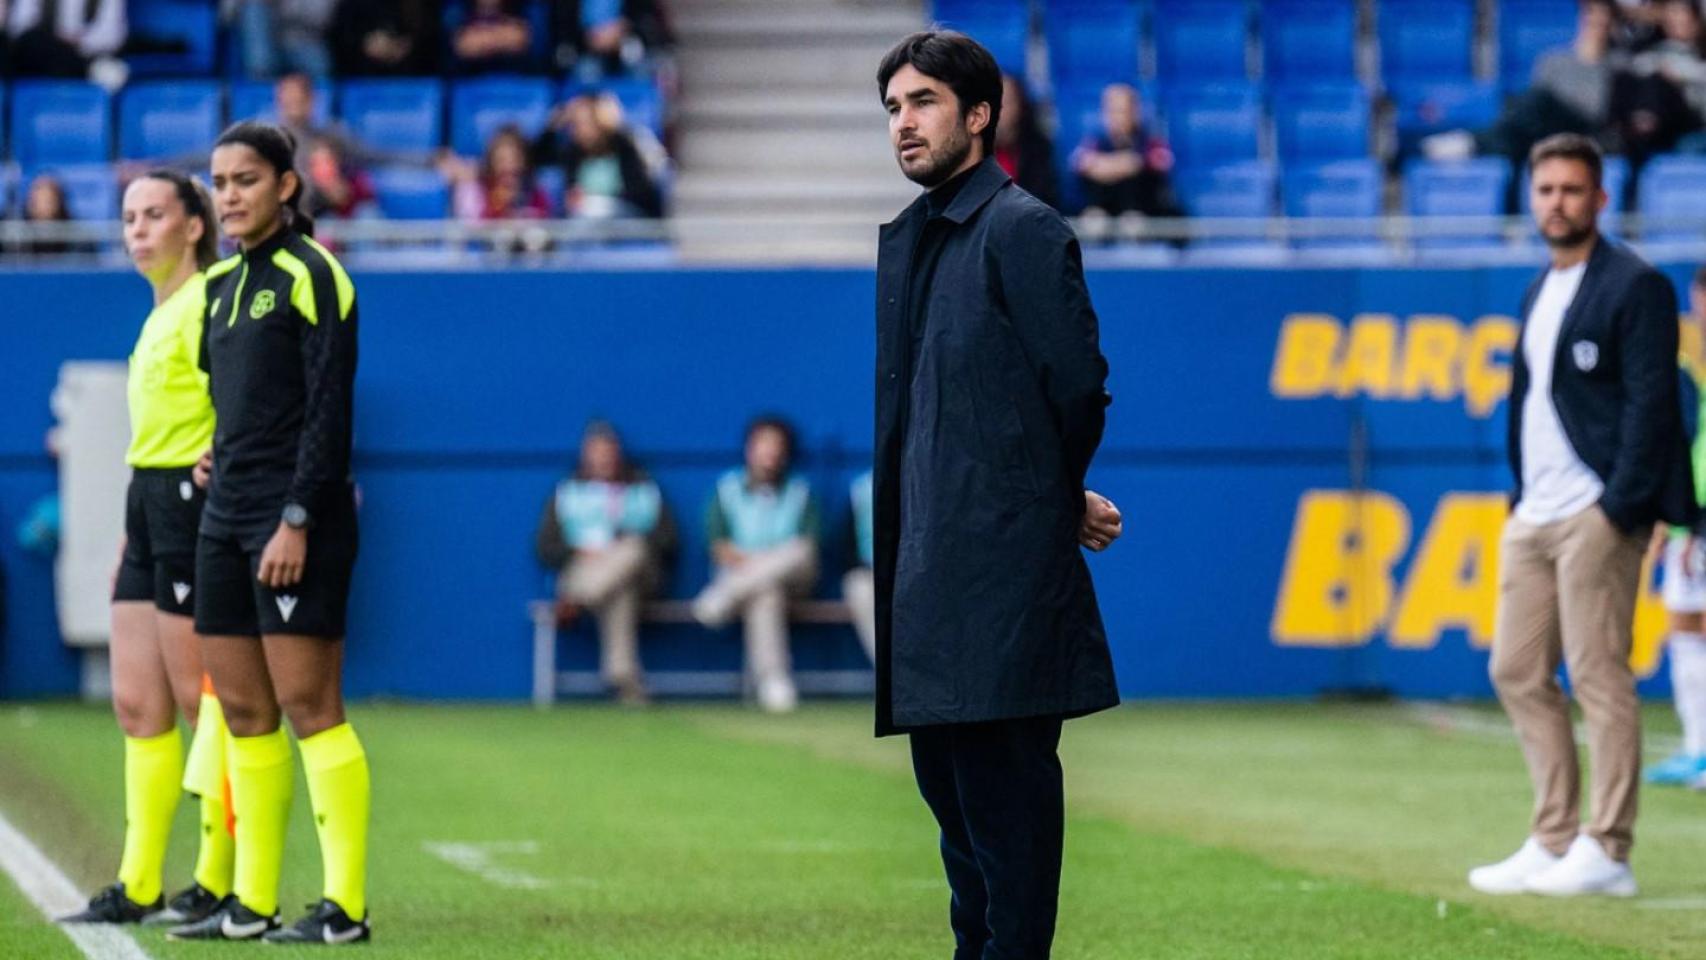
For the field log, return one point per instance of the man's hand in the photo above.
(202, 472)
(1102, 522)
(284, 557)
(726, 554)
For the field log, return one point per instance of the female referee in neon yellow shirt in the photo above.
(278, 541)
(156, 659)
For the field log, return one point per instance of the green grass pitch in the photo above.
(701, 832)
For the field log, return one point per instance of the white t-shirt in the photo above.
(1556, 484)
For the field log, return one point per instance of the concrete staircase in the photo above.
(783, 143)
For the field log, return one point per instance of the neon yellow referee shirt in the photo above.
(171, 413)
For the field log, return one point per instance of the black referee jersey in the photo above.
(280, 351)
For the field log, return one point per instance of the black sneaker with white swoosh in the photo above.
(193, 903)
(326, 923)
(113, 905)
(232, 921)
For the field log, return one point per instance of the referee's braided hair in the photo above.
(192, 193)
(277, 146)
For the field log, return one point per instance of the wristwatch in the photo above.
(296, 516)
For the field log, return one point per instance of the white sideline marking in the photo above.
(46, 886)
(480, 859)
(1465, 720)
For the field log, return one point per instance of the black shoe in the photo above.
(326, 922)
(189, 905)
(229, 921)
(112, 905)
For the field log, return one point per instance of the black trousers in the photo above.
(995, 789)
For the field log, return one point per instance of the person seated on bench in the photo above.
(858, 587)
(763, 527)
(608, 533)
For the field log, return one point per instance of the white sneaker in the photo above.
(777, 695)
(1586, 870)
(712, 608)
(1511, 874)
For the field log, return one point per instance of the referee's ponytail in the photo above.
(277, 146)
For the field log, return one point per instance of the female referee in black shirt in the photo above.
(278, 540)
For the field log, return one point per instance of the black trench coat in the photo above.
(985, 609)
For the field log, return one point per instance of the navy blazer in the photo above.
(1614, 383)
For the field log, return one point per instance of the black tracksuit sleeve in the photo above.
(328, 376)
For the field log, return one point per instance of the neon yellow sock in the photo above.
(204, 766)
(340, 791)
(261, 783)
(152, 768)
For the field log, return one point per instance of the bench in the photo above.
(543, 615)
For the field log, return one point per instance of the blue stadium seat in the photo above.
(1527, 29)
(91, 189)
(1211, 126)
(58, 121)
(1468, 188)
(394, 115)
(1673, 187)
(1003, 26)
(1233, 190)
(479, 107)
(1426, 42)
(1319, 124)
(166, 119)
(1093, 41)
(411, 193)
(1202, 41)
(1422, 108)
(1308, 41)
(253, 100)
(642, 104)
(193, 22)
(1346, 189)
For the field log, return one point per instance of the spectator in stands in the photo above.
(494, 36)
(45, 202)
(1571, 93)
(335, 188)
(763, 526)
(604, 38)
(858, 587)
(501, 187)
(396, 38)
(1661, 96)
(276, 36)
(604, 174)
(608, 533)
(69, 40)
(1124, 169)
(1021, 146)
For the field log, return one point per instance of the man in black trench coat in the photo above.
(990, 406)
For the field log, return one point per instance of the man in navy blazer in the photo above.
(1599, 455)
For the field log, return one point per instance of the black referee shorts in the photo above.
(233, 603)
(162, 512)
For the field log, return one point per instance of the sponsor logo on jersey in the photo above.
(262, 304)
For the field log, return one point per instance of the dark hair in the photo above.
(198, 204)
(1700, 277)
(511, 132)
(1570, 146)
(61, 208)
(958, 61)
(277, 146)
(772, 421)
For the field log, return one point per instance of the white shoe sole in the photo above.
(1621, 889)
